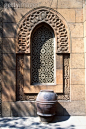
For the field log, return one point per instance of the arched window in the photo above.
(43, 54)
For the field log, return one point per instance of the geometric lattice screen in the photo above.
(42, 56)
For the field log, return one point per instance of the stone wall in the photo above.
(84, 22)
(1, 56)
(74, 13)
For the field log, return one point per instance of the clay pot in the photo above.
(46, 105)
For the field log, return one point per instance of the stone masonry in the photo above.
(18, 19)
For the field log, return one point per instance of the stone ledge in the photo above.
(28, 108)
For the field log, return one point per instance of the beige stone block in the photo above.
(59, 61)
(84, 2)
(35, 109)
(9, 77)
(85, 78)
(8, 45)
(9, 30)
(77, 45)
(57, 88)
(59, 109)
(76, 29)
(84, 13)
(59, 76)
(8, 85)
(5, 109)
(19, 13)
(1, 30)
(8, 93)
(32, 4)
(85, 60)
(79, 15)
(63, 4)
(77, 76)
(0, 41)
(85, 44)
(68, 14)
(75, 108)
(78, 92)
(8, 14)
(27, 78)
(77, 61)
(76, 3)
(48, 3)
(27, 62)
(22, 109)
(70, 3)
(9, 61)
(36, 88)
(85, 29)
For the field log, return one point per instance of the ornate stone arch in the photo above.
(23, 45)
(49, 16)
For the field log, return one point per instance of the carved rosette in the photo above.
(37, 16)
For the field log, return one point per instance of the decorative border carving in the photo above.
(58, 24)
(66, 78)
(20, 80)
(37, 16)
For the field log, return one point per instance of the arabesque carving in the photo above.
(35, 17)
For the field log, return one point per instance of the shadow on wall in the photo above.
(24, 108)
(28, 108)
(9, 56)
(61, 111)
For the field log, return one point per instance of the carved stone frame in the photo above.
(57, 23)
